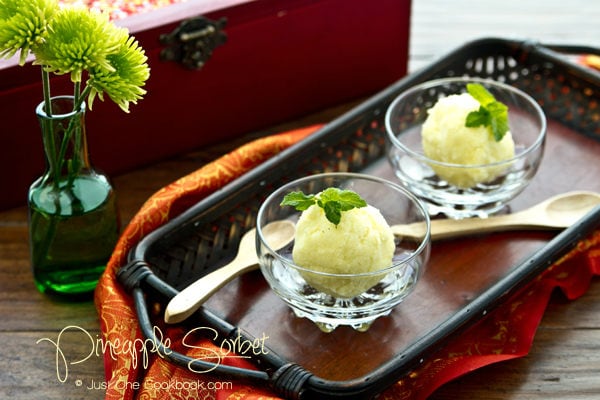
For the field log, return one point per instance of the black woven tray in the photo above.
(206, 236)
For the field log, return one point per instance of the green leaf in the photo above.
(480, 93)
(298, 200)
(499, 119)
(491, 114)
(332, 200)
(347, 198)
(333, 211)
(478, 118)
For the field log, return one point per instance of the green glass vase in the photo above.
(73, 217)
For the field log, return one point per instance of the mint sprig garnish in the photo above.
(491, 114)
(332, 200)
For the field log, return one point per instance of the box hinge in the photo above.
(192, 43)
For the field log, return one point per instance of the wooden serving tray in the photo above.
(465, 278)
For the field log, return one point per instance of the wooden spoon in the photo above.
(557, 212)
(277, 234)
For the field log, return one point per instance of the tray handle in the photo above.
(573, 49)
(571, 54)
(285, 378)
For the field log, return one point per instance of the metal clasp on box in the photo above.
(193, 41)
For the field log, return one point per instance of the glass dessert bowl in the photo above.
(457, 170)
(351, 273)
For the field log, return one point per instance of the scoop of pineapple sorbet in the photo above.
(445, 138)
(362, 242)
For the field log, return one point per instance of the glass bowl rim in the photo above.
(437, 82)
(423, 245)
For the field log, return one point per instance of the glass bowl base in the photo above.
(460, 212)
(328, 325)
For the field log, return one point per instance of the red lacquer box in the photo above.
(272, 61)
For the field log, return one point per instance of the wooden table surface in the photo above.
(564, 362)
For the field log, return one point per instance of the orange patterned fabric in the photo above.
(509, 330)
(505, 333)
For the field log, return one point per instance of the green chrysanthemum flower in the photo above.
(80, 40)
(23, 25)
(124, 80)
(75, 41)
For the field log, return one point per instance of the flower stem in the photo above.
(48, 126)
(76, 95)
(46, 90)
(84, 93)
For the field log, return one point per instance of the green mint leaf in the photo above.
(350, 200)
(477, 118)
(499, 119)
(333, 211)
(298, 200)
(347, 198)
(480, 93)
(491, 114)
(332, 200)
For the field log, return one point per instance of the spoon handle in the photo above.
(186, 302)
(471, 226)
(449, 228)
